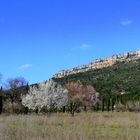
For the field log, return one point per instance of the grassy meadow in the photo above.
(83, 126)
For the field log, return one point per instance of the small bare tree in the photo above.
(14, 91)
(13, 84)
(80, 94)
(17, 82)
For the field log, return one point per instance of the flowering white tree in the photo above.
(48, 94)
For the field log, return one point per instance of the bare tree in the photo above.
(15, 87)
(13, 84)
(80, 94)
(17, 82)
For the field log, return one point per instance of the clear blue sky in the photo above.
(41, 37)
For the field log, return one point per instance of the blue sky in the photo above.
(38, 38)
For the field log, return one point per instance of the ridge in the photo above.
(101, 63)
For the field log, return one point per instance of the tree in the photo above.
(1, 100)
(102, 103)
(49, 95)
(79, 94)
(13, 84)
(15, 87)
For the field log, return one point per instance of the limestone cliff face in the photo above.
(102, 63)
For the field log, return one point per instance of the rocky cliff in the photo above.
(102, 63)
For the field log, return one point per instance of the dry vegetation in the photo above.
(83, 126)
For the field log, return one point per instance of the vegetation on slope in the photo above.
(121, 82)
(116, 85)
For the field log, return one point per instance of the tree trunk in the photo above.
(111, 104)
(108, 105)
(64, 109)
(97, 107)
(1, 100)
(1, 104)
(36, 111)
(26, 110)
(85, 108)
(73, 108)
(102, 104)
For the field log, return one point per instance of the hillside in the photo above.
(119, 77)
(114, 81)
(121, 80)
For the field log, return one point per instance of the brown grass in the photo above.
(83, 126)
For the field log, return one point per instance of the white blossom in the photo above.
(47, 94)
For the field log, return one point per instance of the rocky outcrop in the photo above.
(102, 63)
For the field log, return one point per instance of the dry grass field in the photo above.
(83, 126)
